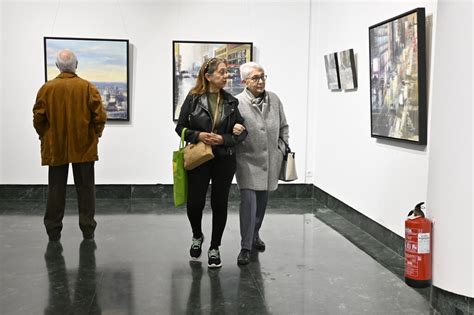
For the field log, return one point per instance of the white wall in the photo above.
(450, 188)
(139, 152)
(382, 179)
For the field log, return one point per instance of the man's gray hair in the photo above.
(66, 61)
(247, 68)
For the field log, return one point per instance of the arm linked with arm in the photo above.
(231, 139)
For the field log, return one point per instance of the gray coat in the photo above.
(260, 155)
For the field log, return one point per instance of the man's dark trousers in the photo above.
(85, 188)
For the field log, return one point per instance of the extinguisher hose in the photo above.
(417, 211)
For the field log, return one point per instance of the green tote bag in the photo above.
(180, 178)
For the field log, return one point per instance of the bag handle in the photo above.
(183, 132)
(287, 146)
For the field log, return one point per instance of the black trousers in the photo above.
(220, 170)
(85, 188)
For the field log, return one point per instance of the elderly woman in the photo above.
(260, 156)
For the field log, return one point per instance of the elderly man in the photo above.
(69, 118)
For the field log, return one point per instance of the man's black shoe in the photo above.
(244, 257)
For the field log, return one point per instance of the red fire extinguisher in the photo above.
(417, 249)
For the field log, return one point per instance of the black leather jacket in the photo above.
(195, 115)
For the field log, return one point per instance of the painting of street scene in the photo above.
(104, 62)
(332, 71)
(347, 70)
(189, 56)
(397, 66)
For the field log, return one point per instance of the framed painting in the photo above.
(398, 78)
(347, 70)
(104, 62)
(188, 56)
(332, 71)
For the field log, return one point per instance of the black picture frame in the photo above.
(188, 56)
(397, 50)
(104, 62)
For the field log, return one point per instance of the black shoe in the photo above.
(196, 247)
(214, 258)
(259, 244)
(244, 257)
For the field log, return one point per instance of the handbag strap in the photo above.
(183, 132)
(216, 111)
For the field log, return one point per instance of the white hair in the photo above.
(66, 61)
(247, 68)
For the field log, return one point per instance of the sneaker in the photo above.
(196, 247)
(214, 260)
(244, 257)
(259, 244)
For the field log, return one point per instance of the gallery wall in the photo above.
(383, 179)
(450, 186)
(139, 152)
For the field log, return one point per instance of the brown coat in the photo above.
(69, 118)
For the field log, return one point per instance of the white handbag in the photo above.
(288, 166)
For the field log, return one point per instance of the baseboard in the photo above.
(158, 191)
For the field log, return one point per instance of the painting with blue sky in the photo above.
(104, 62)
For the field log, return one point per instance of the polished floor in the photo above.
(139, 264)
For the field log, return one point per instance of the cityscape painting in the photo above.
(332, 71)
(104, 62)
(188, 56)
(398, 78)
(347, 70)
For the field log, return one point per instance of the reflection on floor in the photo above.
(139, 264)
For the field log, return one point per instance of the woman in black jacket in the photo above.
(197, 115)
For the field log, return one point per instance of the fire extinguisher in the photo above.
(418, 249)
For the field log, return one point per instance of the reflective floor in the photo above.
(139, 264)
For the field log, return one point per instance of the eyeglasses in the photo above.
(256, 78)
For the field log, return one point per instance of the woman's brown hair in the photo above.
(202, 85)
